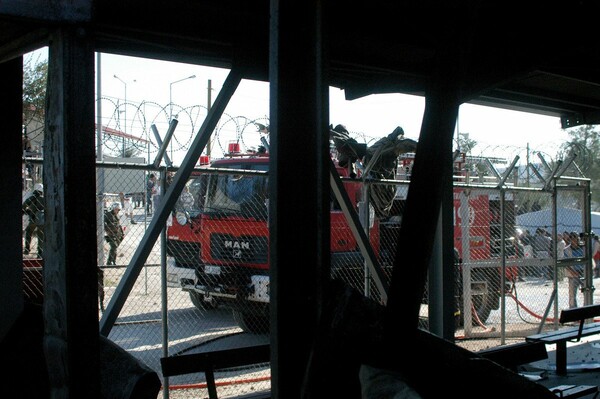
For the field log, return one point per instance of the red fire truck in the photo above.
(219, 250)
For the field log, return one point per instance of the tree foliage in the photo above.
(584, 147)
(465, 144)
(35, 77)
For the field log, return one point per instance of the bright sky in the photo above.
(375, 115)
(494, 129)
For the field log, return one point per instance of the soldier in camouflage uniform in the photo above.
(33, 207)
(113, 231)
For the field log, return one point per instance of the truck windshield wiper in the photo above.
(219, 212)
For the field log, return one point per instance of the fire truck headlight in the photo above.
(181, 218)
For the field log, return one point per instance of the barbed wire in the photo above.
(128, 130)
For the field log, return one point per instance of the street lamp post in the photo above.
(171, 104)
(124, 112)
(171, 94)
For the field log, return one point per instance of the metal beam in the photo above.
(162, 146)
(357, 230)
(11, 273)
(508, 171)
(71, 342)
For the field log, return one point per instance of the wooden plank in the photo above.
(432, 166)
(209, 362)
(299, 138)
(70, 272)
(565, 334)
(215, 360)
(255, 395)
(579, 313)
(11, 114)
(512, 356)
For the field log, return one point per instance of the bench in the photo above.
(209, 362)
(574, 391)
(571, 334)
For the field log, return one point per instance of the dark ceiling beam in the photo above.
(70, 11)
(542, 104)
(382, 47)
(560, 102)
(161, 47)
(588, 118)
(25, 40)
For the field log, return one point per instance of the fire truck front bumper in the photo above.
(178, 276)
(256, 291)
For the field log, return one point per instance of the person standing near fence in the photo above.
(150, 191)
(127, 207)
(542, 245)
(567, 238)
(186, 199)
(574, 272)
(561, 245)
(113, 231)
(596, 255)
(34, 207)
(156, 194)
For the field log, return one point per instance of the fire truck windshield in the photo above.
(238, 194)
(192, 196)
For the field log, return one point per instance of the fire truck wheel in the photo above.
(250, 322)
(483, 308)
(483, 305)
(199, 302)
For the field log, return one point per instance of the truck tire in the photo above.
(483, 305)
(250, 322)
(199, 302)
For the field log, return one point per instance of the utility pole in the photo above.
(124, 113)
(528, 176)
(171, 103)
(99, 158)
(208, 105)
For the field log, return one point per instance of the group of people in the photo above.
(34, 206)
(569, 244)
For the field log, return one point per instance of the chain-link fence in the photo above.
(214, 250)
